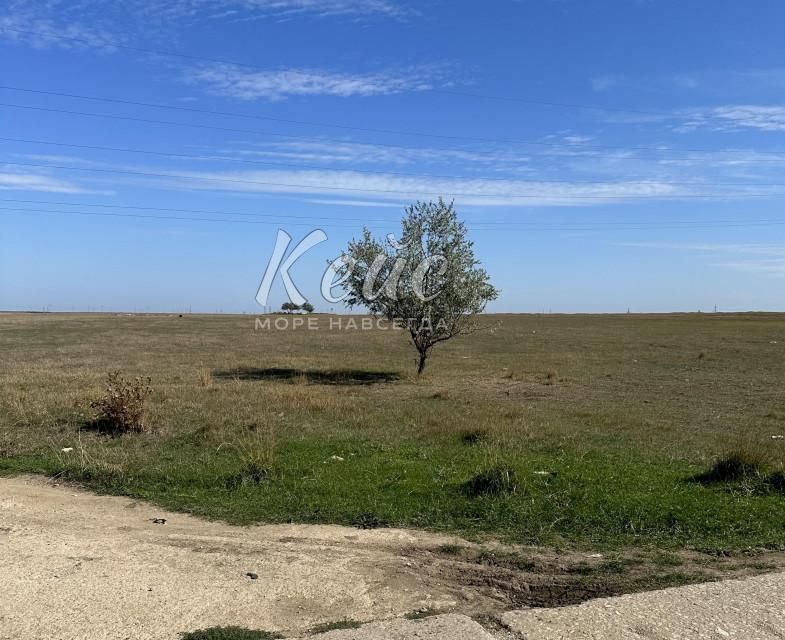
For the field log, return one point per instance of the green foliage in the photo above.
(307, 307)
(289, 307)
(429, 281)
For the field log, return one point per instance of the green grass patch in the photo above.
(317, 427)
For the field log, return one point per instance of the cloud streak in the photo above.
(97, 23)
(37, 182)
(738, 117)
(765, 259)
(374, 154)
(230, 81)
(508, 192)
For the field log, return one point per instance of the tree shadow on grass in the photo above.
(337, 376)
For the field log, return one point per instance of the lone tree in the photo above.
(307, 307)
(429, 282)
(290, 307)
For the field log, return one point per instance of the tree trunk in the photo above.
(421, 363)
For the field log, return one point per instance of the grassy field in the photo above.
(604, 420)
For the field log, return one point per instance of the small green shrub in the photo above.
(346, 623)
(747, 469)
(450, 549)
(421, 614)
(368, 521)
(739, 464)
(496, 481)
(474, 436)
(776, 481)
(253, 474)
(229, 633)
(122, 406)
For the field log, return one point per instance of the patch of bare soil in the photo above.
(525, 577)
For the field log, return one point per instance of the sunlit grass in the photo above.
(334, 427)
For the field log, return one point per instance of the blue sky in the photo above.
(605, 155)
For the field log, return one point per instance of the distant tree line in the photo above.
(291, 307)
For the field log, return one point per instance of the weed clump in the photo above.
(474, 436)
(450, 549)
(421, 614)
(346, 623)
(746, 469)
(740, 464)
(121, 408)
(493, 482)
(205, 377)
(229, 633)
(776, 481)
(368, 521)
(253, 474)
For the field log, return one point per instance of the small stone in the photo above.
(67, 449)
(252, 575)
(159, 520)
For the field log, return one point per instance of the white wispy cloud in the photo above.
(357, 203)
(37, 182)
(718, 118)
(46, 33)
(394, 187)
(551, 181)
(774, 267)
(699, 247)
(607, 82)
(716, 82)
(758, 258)
(737, 117)
(375, 154)
(234, 82)
(320, 8)
(98, 23)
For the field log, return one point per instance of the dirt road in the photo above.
(74, 565)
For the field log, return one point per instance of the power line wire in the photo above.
(188, 218)
(318, 139)
(366, 219)
(554, 145)
(200, 211)
(271, 222)
(322, 187)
